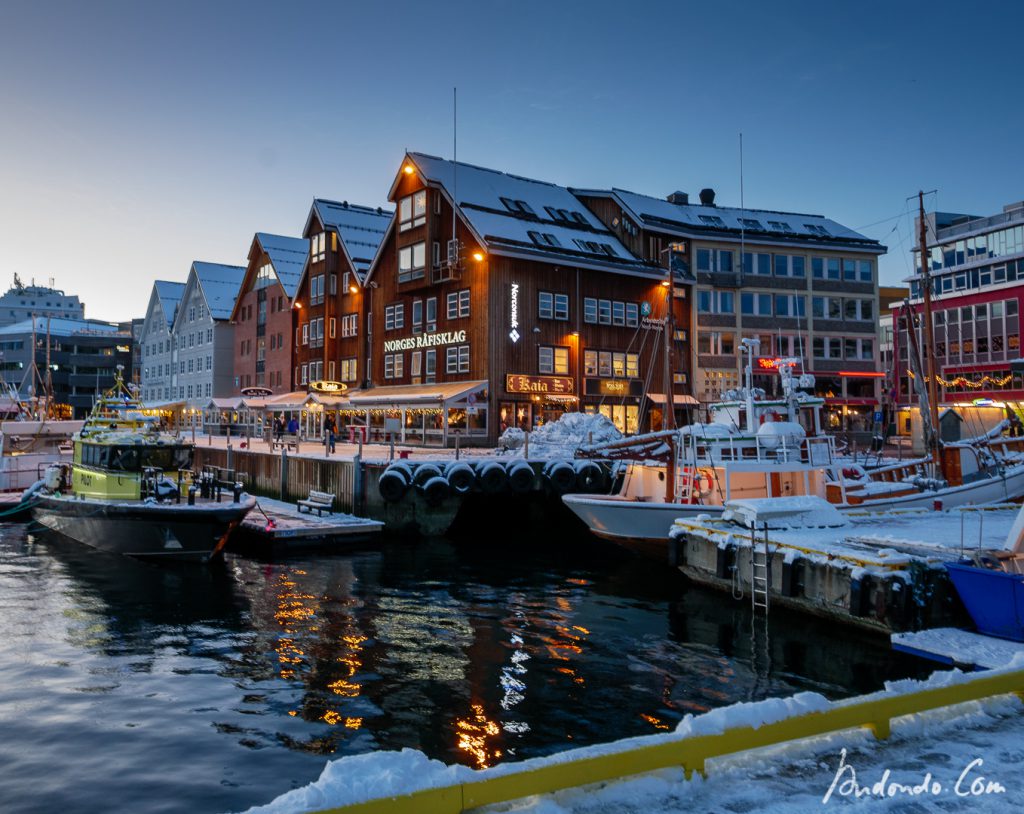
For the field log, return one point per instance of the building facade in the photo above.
(506, 309)
(156, 341)
(74, 359)
(23, 302)
(330, 335)
(262, 314)
(803, 285)
(202, 335)
(976, 269)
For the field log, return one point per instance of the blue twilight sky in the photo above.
(136, 136)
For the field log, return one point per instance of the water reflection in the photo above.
(477, 653)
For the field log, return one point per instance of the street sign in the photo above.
(878, 417)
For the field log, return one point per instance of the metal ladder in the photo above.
(685, 475)
(760, 578)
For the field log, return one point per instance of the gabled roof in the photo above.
(287, 256)
(220, 285)
(723, 221)
(515, 216)
(169, 294)
(360, 229)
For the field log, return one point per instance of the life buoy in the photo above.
(692, 482)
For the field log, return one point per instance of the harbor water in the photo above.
(130, 686)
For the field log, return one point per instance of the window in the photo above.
(411, 262)
(716, 302)
(394, 364)
(553, 360)
(305, 334)
(604, 363)
(865, 271)
(779, 226)
(412, 211)
(519, 207)
(431, 313)
(782, 265)
(632, 314)
(752, 304)
(833, 268)
(552, 306)
(350, 325)
(332, 334)
(716, 343)
(346, 282)
(430, 365)
(711, 220)
(394, 317)
(618, 313)
(604, 312)
(751, 223)
(714, 260)
(818, 268)
(754, 263)
(590, 363)
(790, 305)
(816, 229)
(849, 270)
(416, 368)
(590, 310)
(458, 304)
(457, 359)
(305, 374)
(417, 316)
(348, 369)
(317, 248)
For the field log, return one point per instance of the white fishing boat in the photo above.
(759, 447)
(28, 447)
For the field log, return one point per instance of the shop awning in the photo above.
(412, 395)
(295, 400)
(163, 405)
(253, 404)
(677, 400)
(224, 403)
(332, 400)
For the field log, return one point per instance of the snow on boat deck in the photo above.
(953, 646)
(291, 524)
(884, 541)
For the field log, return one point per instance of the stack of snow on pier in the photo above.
(561, 438)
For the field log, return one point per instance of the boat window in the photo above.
(124, 459)
(94, 455)
(167, 458)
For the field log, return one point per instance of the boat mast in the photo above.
(931, 377)
(669, 422)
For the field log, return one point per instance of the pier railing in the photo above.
(690, 753)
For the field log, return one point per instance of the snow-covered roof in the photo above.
(169, 293)
(56, 326)
(287, 256)
(517, 216)
(360, 229)
(220, 285)
(761, 224)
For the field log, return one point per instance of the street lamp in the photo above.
(669, 329)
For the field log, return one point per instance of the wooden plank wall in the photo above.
(261, 472)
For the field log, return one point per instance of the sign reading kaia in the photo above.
(424, 341)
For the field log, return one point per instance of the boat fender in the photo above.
(435, 490)
(561, 477)
(425, 472)
(492, 478)
(520, 477)
(393, 483)
(589, 476)
(460, 476)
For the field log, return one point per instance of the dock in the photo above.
(958, 648)
(275, 522)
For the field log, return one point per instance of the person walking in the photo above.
(293, 426)
(330, 430)
(278, 427)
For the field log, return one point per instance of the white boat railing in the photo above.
(775, 449)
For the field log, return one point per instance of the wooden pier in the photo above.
(280, 525)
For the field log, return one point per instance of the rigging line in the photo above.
(879, 222)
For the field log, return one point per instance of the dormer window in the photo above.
(751, 223)
(544, 239)
(265, 275)
(317, 247)
(711, 220)
(779, 226)
(518, 207)
(815, 229)
(412, 211)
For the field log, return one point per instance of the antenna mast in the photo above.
(455, 164)
(928, 345)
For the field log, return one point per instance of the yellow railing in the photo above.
(690, 753)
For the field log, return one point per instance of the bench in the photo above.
(289, 440)
(321, 501)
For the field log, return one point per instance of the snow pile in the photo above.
(713, 430)
(563, 437)
(799, 511)
(512, 438)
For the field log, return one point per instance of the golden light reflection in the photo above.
(474, 733)
(657, 723)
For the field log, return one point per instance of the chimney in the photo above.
(678, 197)
(707, 197)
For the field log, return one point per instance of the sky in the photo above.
(137, 137)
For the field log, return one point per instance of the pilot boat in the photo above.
(129, 489)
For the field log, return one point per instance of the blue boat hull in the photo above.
(994, 599)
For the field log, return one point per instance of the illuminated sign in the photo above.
(613, 387)
(555, 385)
(424, 341)
(123, 349)
(514, 313)
(328, 387)
(649, 324)
(257, 392)
(773, 362)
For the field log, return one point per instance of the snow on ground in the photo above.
(561, 438)
(932, 761)
(961, 646)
